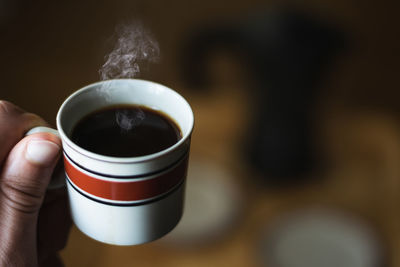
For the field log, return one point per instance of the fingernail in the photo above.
(41, 152)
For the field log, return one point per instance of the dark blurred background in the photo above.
(296, 107)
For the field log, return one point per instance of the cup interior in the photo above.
(124, 91)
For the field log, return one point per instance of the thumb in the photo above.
(28, 169)
(23, 181)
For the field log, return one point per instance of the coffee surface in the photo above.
(126, 131)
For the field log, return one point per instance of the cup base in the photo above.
(122, 224)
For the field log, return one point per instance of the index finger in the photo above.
(14, 123)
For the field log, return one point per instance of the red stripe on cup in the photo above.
(127, 191)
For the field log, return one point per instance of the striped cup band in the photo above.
(127, 189)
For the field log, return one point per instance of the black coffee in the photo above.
(126, 131)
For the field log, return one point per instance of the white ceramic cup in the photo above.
(125, 200)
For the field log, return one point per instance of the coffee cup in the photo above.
(125, 200)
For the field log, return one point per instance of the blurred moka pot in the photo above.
(286, 53)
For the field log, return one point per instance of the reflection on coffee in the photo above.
(126, 131)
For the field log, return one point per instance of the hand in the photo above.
(33, 227)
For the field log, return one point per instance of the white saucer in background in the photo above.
(212, 204)
(320, 238)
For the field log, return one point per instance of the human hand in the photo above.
(34, 225)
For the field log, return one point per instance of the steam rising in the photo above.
(128, 119)
(135, 47)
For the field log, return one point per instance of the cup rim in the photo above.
(100, 157)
